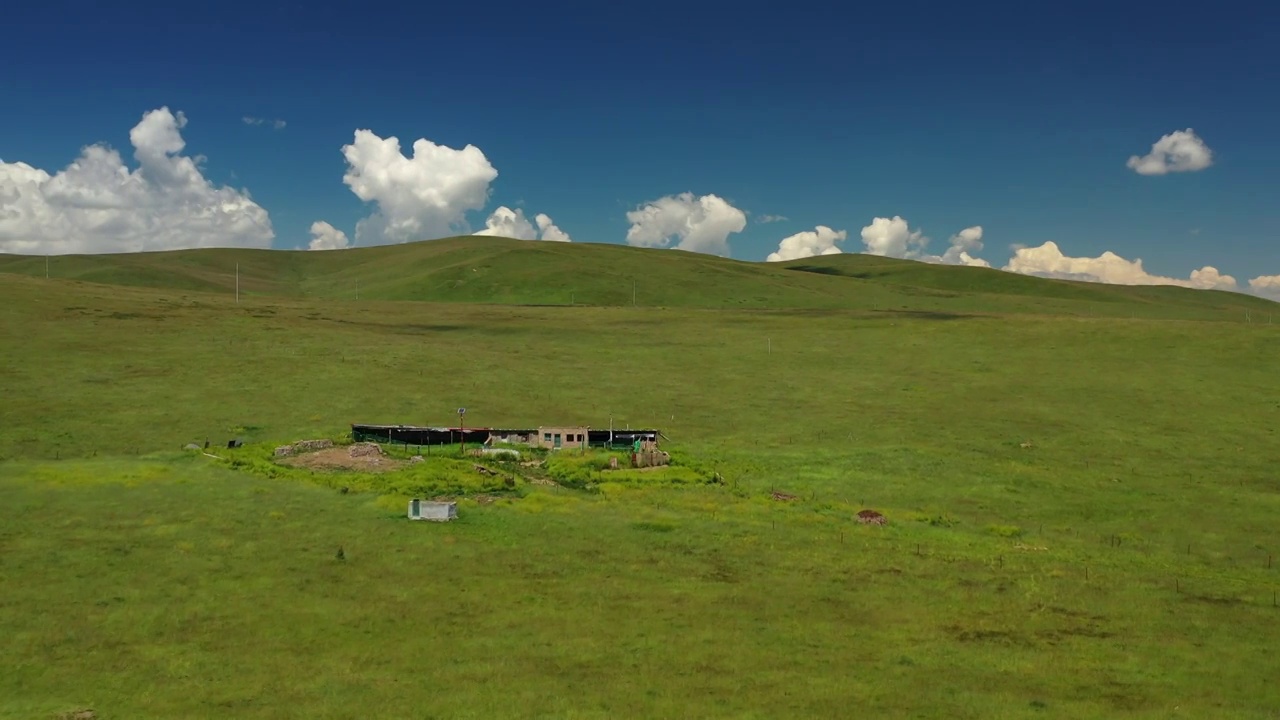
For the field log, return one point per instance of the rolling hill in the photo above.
(515, 272)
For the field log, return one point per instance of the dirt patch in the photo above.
(784, 497)
(871, 517)
(339, 458)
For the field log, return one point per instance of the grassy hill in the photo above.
(504, 271)
(1081, 508)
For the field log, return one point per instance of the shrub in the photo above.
(1007, 531)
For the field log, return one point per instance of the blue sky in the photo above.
(1013, 117)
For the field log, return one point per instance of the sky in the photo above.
(1129, 143)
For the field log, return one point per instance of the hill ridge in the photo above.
(522, 272)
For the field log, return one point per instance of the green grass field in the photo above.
(1079, 482)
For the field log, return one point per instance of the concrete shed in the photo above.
(432, 510)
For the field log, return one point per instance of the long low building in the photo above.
(546, 436)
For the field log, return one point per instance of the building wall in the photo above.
(546, 437)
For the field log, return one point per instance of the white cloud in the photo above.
(1048, 260)
(1179, 151)
(327, 237)
(963, 246)
(418, 198)
(1267, 286)
(98, 205)
(893, 237)
(702, 224)
(771, 218)
(277, 124)
(505, 222)
(549, 230)
(819, 241)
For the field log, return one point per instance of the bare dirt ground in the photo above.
(341, 458)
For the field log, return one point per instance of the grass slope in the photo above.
(504, 271)
(1081, 512)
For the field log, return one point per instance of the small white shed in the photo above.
(432, 510)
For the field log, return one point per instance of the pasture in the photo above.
(1081, 507)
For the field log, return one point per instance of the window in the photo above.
(546, 437)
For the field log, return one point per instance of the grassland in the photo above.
(514, 272)
(1080, 487)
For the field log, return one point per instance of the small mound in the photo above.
(871, 517)
(303, 446)
(364, 449)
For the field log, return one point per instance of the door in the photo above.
(415, 508)
(557, 441)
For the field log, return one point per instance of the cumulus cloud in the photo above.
(771, 218)
(701, 224)
(505, 222)
(98, 205)
(1179, 151)
(1048, 260)
(419, 197)
(327, 237)
(549, 230)
(1267, 286)
(819, 241)
(893, 237)
(277, 124)
(964, 245)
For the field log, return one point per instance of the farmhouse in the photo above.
(582, 436)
